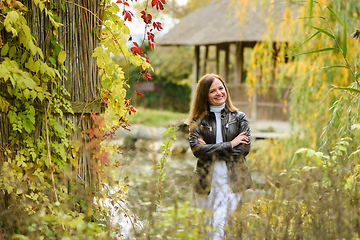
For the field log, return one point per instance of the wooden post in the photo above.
(217, 59)
(195, 70)
(254, 105)
(239, 64)
(227, 61)
(206, 58)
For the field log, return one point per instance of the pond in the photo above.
(147, 200)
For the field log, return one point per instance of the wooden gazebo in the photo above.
(225, 30)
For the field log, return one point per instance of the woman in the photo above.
(220, 139)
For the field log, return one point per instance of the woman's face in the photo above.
(217, 93)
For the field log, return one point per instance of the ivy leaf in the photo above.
(5, 49)
(53, 61)
(26, 93)
(28, 125)
(62, 57)
(12, 52)
(23, 57)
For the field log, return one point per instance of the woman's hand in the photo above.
(201, 141)
(241, 138)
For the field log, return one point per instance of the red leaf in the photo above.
(147, 76)
(126, 4)
(118, 1)
(146, 17)
(131, 110)
(127, 102)
(96, 169)
(128, 15)
(157, 26)
(139, 94)
(159, 4)
(137, 50)
(147, 58)
(151, 40)
(93, 116)
(90, 131)
(103, 157)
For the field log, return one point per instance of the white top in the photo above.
(217, 111)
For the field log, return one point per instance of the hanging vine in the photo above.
(39, 151)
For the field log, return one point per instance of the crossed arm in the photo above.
(241, 138)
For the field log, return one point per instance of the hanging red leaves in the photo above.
(137, 50)
(147, 76)
(159, 4)
(146, 17)
(157, 26)
(128, 15)
(139, 94)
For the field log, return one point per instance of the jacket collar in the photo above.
(225, 111)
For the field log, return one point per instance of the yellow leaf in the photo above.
(26, 93)
(62, 57)
(4, 49)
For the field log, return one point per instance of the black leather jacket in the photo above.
(232, 124)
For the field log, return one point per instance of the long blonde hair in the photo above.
(200, 102)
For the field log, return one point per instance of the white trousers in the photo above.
(221, 201)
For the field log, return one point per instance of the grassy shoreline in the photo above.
(156, 118)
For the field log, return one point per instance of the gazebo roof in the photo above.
(219, 22)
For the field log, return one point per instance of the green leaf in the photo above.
(23, 57)
(344, 45)
(348, 89)
(315, 51)
(53, 61)
(30, 64)
(40, 53)
(165, 133)
(28, 126)
(357, 76)
(26, 93)
(12, 52)
(355, 126)
(311, 10)
(310, 153)
(4, 49)
(307, 40)
(63, 6)
(106, 83)
(301, 150)
(62, 57)
(319, 154)
(334, 14)
(354, 153)
(29, 82)
(323, 31)
(336, 66)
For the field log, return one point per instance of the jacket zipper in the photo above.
(227, 125)
(208, 127)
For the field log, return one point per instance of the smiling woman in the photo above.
(220, 139)
(217, 93)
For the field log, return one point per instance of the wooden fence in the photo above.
(268, 103)
(78, 40)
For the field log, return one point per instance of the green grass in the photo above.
(156, 118)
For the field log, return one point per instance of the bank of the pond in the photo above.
(141, 148)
